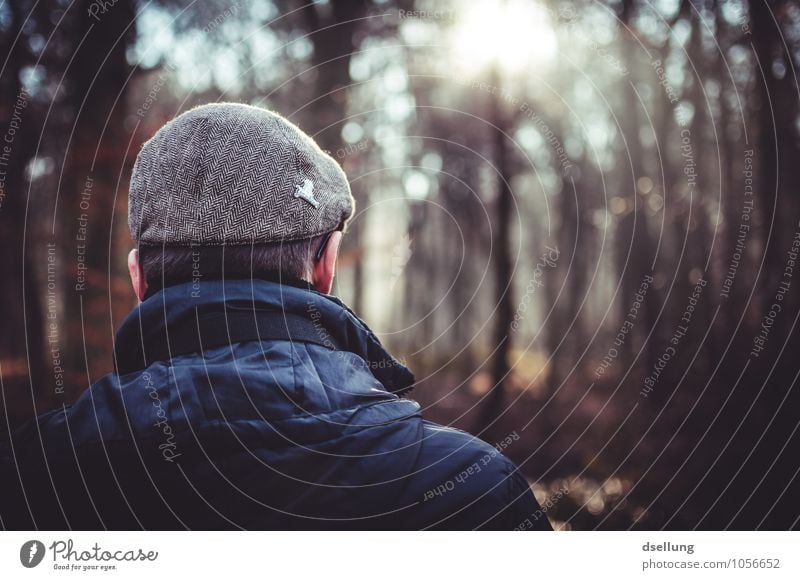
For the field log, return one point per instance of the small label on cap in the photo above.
(306, 192)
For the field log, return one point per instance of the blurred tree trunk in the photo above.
(502, 266)
(778, 184)
(575, 246)
(635, 248)
(94, 165)
(332, 27)
(23, 369)
(733, 152)
(698, 249)
(778, 150)
(466, 207)
(563, 325)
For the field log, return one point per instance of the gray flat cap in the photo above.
(227, 173)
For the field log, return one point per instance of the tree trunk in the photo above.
(501, 263)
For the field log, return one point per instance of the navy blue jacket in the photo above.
(260, 434)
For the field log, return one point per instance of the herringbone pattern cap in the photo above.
(228, 173)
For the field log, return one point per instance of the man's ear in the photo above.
(138, 280)
(325, 269)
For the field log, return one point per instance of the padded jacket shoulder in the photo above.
(269, 434)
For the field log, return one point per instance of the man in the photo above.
(245, 396)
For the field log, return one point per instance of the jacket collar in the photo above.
(175, 304)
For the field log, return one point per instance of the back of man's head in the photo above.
(234, 191)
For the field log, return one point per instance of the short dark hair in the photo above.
(170, 265)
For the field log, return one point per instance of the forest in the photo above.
(577, 221)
